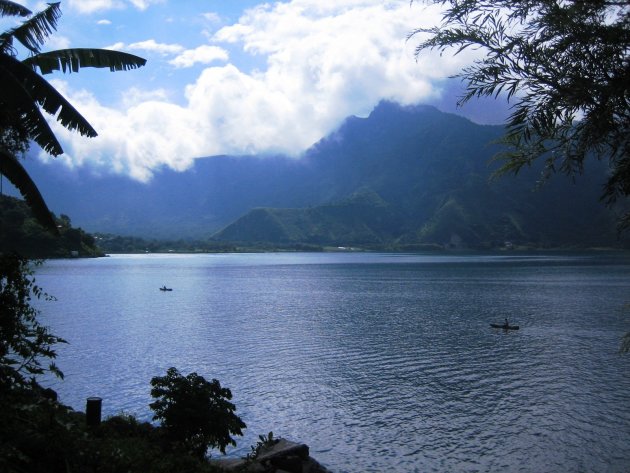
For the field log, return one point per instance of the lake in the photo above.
(379, 362)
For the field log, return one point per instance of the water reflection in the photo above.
(378, 362)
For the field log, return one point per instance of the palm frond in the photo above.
(71, 60)
(33, 32)
(46, 96)
(15, 96)
(13, 9)
(17, 175)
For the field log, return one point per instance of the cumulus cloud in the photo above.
(153, 46)
(202, 55)
(134, 141)
(323, 61)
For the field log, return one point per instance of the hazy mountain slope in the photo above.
(395, 151)
(430, 170)
(362, 219)
(434, 169)
(188, 204)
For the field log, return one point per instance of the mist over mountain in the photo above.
(403, 176)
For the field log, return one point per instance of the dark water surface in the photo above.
(379, 362)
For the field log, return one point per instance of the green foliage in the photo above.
(13, 8)
(472, 214)
(128, 244)
(33, 435)
(10, 166)
(71, 60)
(565, 66)
(195, 414)
(20, 232)
(24, 342)
(362, 219)
(37, 435)
(264, 442)
(123, 444)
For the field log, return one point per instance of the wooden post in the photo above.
(93, 411)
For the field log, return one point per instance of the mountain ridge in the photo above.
(430, 169)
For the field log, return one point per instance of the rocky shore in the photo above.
(283, 456)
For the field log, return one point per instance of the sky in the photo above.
(242, 77)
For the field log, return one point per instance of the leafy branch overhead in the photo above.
(71, 60)
(25, 94)
(565, 67)
(11, 166)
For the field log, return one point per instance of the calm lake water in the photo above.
(379, 362)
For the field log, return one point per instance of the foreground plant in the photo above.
(265, 442)
(25, 344)
(195, 414)
(26, 351)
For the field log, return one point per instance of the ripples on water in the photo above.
(378, 362)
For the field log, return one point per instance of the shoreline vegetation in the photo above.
(24, 235)
(43, 434)
(115, 244)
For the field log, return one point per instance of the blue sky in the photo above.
(242, 77)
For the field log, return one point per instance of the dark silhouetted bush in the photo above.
(195, 414)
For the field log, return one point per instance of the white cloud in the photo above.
(57, 42)
(160, 48)
(104, 22)
(136, 96)
(91, 6)
(116, 46)
(203, 55)
(144, 4)
(134, 141)
(212, 17)
(324, 61)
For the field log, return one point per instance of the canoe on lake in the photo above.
(504, 326)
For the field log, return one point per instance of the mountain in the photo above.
(404, 176)
(362, 219)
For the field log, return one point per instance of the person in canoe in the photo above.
(506, 323)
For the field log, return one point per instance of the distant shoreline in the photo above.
(519, 250)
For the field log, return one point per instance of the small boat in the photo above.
(164, 288)
(504, 326)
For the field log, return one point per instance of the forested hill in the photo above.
(21, 233)
(420, 176)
